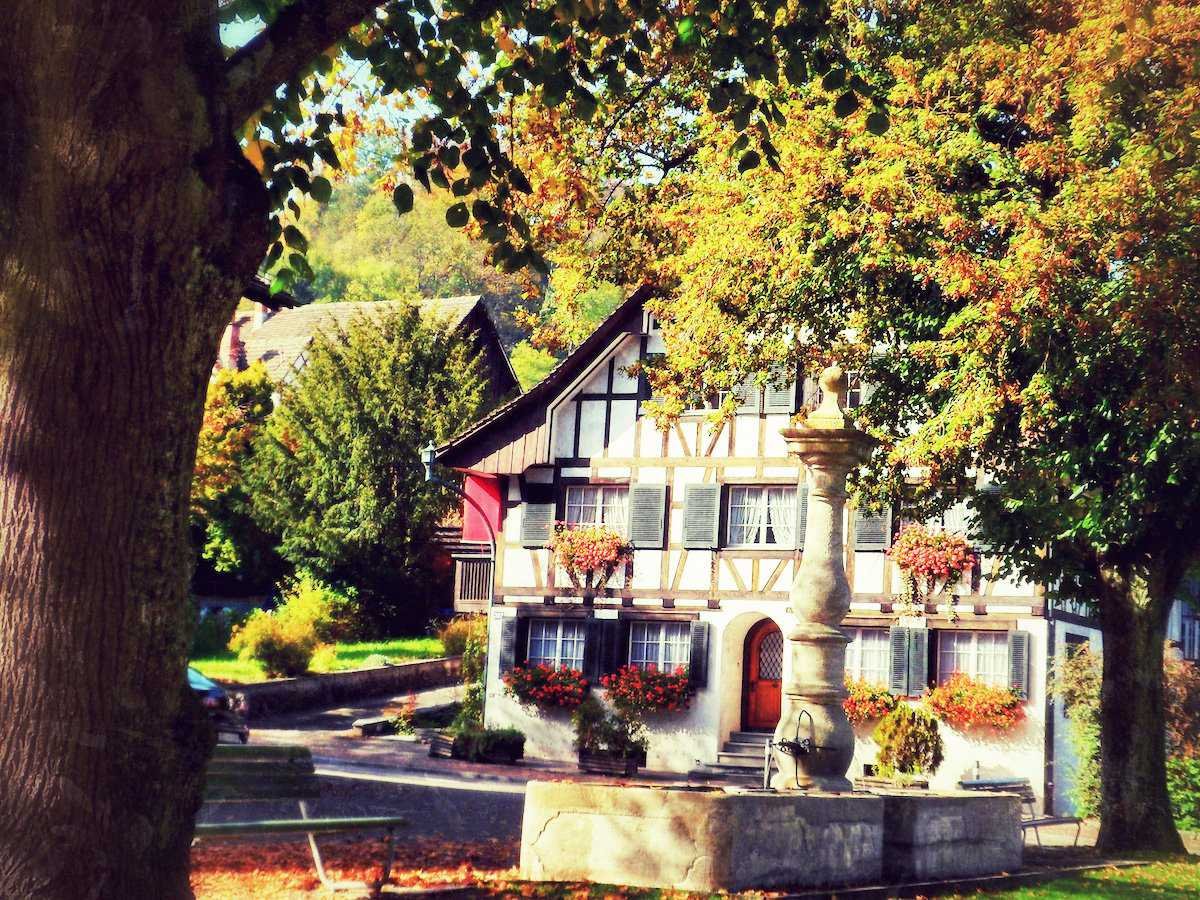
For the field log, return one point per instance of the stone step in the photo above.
(747, 760)
(750, 737)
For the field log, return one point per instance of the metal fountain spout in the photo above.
(830, 447)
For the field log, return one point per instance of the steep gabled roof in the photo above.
(511, 437)
(282, 338)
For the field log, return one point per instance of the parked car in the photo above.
(220, 706)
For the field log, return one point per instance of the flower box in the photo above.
(605, 762)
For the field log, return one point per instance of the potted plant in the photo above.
(963, 702)
(546, 686)
(589, 554)
(608, 743)
(929, 561)
(639, 691)
(910, 747)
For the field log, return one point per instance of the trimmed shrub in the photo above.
(1183, 785)
(455, 634)
(909, 743)
(599, 731)
(282, 645)
(284, 640)
(488, 745)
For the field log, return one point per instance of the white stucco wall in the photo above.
(1019, 753)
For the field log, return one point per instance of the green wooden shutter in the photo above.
(508, 644)
(898, 661)
(780, 399)
(647, 515)
(701, 515)
(872, 532)
(918, 661)
(749, 397)
(698, 654)
(612, 654)
(593, 649)
(801, 514)
(537, 523)
(1018, 662)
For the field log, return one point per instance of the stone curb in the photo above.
(962, 885)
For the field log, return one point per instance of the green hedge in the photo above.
(503, 745)
(1183, 784)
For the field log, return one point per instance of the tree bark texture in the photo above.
(128, 224)
(1135, 810)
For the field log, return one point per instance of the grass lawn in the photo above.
(227, 666)
(1160, 879)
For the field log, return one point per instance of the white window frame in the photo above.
(611, 501)
(565, 635)
(981, 655)
(662, 645)
(764, 526)
(868, 655)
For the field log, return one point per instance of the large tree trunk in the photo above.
(1135, 811)
(127, 226)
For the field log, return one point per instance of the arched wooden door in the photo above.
(762, 691)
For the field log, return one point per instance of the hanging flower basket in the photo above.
(546, 686)
(589, 554)
(640, 691)
(963, 702)
(929, 561)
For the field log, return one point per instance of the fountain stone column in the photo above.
(813, 691)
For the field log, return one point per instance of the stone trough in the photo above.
(735, 839)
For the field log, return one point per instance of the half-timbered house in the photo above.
(715, 512)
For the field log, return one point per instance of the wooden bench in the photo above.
(1023, 789)
(242, 774)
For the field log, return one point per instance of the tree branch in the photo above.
(278, 54)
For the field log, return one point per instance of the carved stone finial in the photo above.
(831, 412)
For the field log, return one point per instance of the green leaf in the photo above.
(461, 187)
(518, 180)
(834, 79)
(295, 239)
(878, 123)
(321, 189)
(686, 29)
(846, 104)
(718, 101)
(457, 215)
(402, 197)
(750, 159)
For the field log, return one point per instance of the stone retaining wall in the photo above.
(315, 691)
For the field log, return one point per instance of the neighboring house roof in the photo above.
(515, 435)
(281, 340)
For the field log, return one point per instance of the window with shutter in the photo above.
(647, 515)
(872, 532)
(761, 516)
(701, 515)
(981, 655)
(537, 523)
(908, 661)
(918, 660)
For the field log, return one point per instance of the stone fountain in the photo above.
(814, 743)
(808, 829)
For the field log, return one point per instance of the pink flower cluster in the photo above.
(589, 553)
(931, 555)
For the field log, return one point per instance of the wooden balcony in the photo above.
(472, 583)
